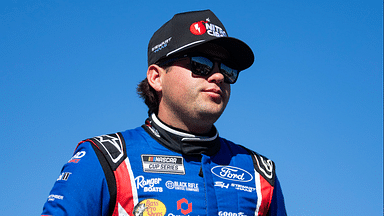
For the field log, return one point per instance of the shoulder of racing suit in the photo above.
(264, 166)
(111, 152)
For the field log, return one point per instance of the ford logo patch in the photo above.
(232, 173)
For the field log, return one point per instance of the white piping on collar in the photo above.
(187, 136)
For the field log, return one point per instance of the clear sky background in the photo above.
(312, 101)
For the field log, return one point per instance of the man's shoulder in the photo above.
(263, 165)
(112, 145)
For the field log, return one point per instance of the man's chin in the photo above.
(211, 115)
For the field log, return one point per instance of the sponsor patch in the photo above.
(54, 197)
(64, 176)
(184, 186)
(221, 184)
(243, 187)
(150, 207)
(148, 185)
(162, 45)
(224, 213)
(163, 164)
(76, 158)
(186, 208)
(235, 186)
(232, 173)
(202, 27)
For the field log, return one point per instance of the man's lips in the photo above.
(213, 90)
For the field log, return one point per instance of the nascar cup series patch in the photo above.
(163, 164)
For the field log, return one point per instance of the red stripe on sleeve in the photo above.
(267, 192)
(124, 190)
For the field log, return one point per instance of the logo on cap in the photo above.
(198, 28)
(202, 27)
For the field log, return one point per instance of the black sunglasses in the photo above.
(203, 66)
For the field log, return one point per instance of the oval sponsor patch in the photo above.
(150, 207)
(232, 173)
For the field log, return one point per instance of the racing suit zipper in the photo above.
(201, 174)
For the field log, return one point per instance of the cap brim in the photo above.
(241, 55)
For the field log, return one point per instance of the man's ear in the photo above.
(154, 74)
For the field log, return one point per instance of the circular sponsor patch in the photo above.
(169, 185)
(197, 28)
(150, 207)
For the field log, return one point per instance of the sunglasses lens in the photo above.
(201, 65)
(230, 75)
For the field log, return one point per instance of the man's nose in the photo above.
(216, 75)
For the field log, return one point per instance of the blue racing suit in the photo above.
(158, 170)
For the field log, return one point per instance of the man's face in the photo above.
(192, 97)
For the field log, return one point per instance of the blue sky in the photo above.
(312, 101)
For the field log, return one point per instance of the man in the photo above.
(175, 164)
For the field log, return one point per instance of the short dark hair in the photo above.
(149, 95)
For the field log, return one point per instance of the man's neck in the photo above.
(191, 125)
(181, 141)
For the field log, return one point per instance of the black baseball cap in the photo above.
(186, 31)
